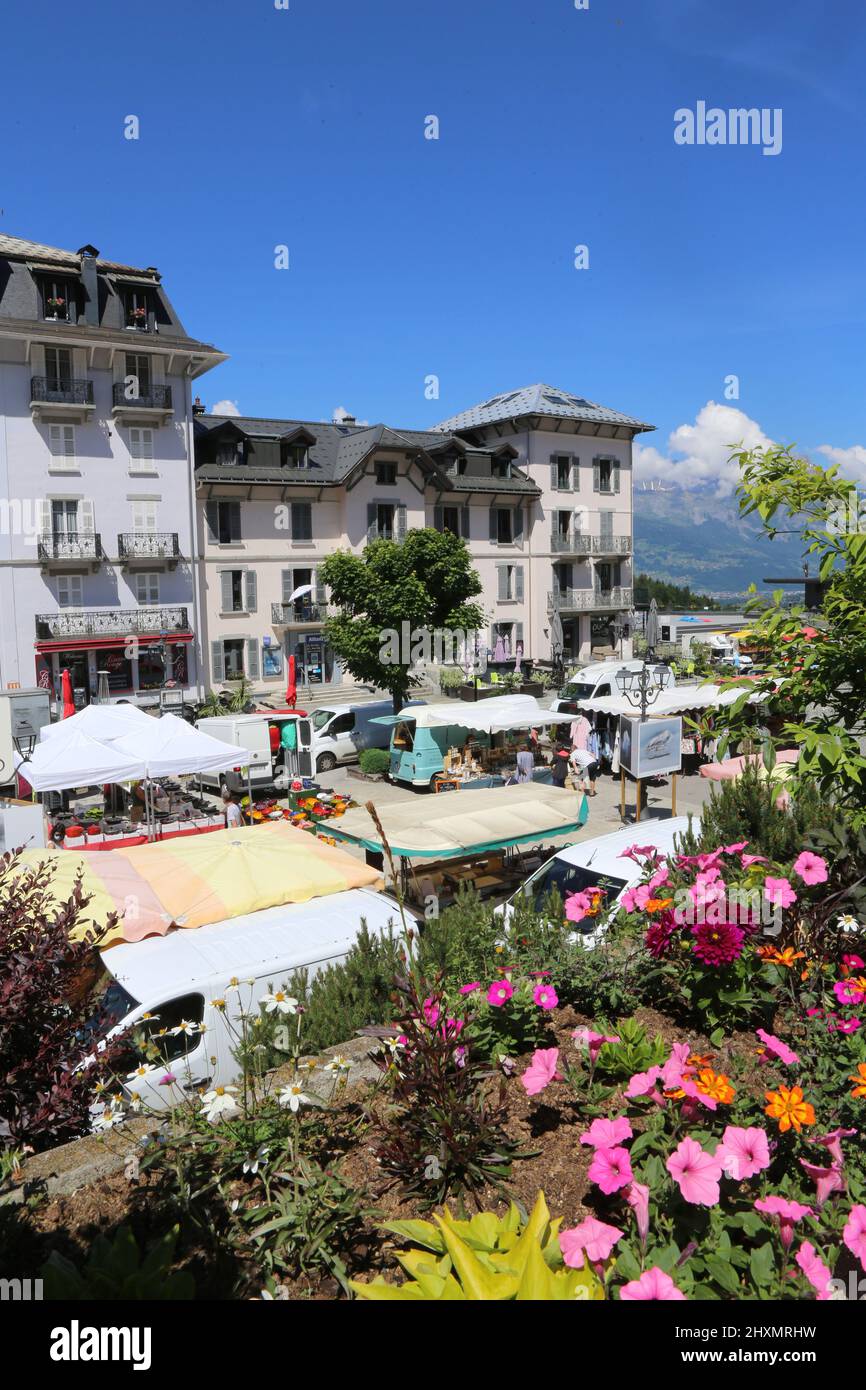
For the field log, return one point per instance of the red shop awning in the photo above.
(92, 644)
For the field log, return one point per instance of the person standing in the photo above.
(232, 810)
(559, 768)
(525, 764)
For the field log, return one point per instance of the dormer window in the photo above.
(137, 308)
(500, 468)
(298, 456)
(230, 451)
(386, 474)
(57, 300)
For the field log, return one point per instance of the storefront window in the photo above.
(151, 668)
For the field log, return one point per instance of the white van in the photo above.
(251, 735)
(603, 678)
(598, 863)
(176, 978)
(342, 732)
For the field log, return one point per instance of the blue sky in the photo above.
(413, 257)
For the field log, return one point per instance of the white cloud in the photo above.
(225, 408)
(852, 462)
(698, 454)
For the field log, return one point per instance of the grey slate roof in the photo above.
(538, 400)
(18, 248)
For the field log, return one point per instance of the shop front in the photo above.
(315, 663)
(132, 667)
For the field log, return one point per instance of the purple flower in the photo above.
(718, 944)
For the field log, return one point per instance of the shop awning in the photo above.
(671, 701)
(499, 713)
(465, 822)
(47, 645)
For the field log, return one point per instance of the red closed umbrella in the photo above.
(68, 695)
(292, 687)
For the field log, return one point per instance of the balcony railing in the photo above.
(148, 545)
(152, 398)
(591, 545)
(589, 600)
(53, 390)
(290, 614)
(74, 547)
(111, 622)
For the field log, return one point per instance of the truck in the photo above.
(251, 734)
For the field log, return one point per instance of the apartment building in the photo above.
(98, 538)
(538, 483)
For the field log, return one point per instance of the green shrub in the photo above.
(116, 1269)
(375, 761)
(451, 678)
(744, 808)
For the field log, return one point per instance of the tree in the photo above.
(669, 596)
(815, 678)
(425, 582)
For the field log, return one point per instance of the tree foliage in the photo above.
(426, 581)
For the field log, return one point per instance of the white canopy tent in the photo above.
(102, 722)
(169, 747)
(671, 701)
(77, 761)
(491, 716)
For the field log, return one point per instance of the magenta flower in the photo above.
(541, 1070)
(735, 849)
(637, 1196)
(545, 996)
(743, 1152)
(853, 962)
(851, 991)
(470, 989)
(776, 1047)
(709, 861)
(718, 944)
(592, 1238)
(696, 1173)
(654, 1285)
(848, 1025)
(832, 1142)
(606, 1134)
(499, 993)
(610, 1169)
(430, 1010)
(811, 868)
(593, 1041)
(643, 1083)
(661, 875)
(168, 1078)
(815, 1270)
(787, 1213)
(577, 905)
(854, 1234)
(827, 1180)
(779, 892)
(638, 852)
(659, 934)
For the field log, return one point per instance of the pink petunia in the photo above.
(779, 892)
(653, 1285)
(643, 1083)
(541, 1070)
(743, 1152)
(748, 859)
(499, 993)
(777, 1048)
(852, 962)
(545, 996)
(848, 1025)
(638, 852)
(697, 1173)
(787, 1213)
(593, 1239)
(471, 988)
(636, 899)
(672, 1071)
(826, 1179)
(854, 1234)
(606, 1134)
(593, 1041)
(832, 1142)
(577, 905)
(735, 849)
(811, 868)
(637, 1196)
(610, 1169)
(661, 875)
(815, 1270)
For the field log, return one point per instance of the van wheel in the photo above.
(326, 762)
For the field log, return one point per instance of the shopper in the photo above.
(559, 769)
(585, 768)
(232, 809)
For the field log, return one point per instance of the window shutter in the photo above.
(518, 583)
(575, 475)
(518, 525)
(217, 662)
(493, 531)
(43, 516)
(318, 588)
(226, 591)
(502, 582)
(253, 658)
(85, 517)
(616, 477)
(288, 586)
(518, 632)
(235, 522)
(250, 590)
(554, 473)
(401, 522)
(596, 476)
(438, 518)
(211, 513)
(464, 523)
(372, 528)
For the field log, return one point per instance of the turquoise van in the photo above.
(418, 754)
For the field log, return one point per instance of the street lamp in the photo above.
(641, 688)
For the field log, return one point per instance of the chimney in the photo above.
(197, 407)
(348, 420)
(90, 281)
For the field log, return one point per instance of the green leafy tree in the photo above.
(426, 580)
(814, 680)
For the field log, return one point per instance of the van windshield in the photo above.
(110, 1005)
(578, 690)
(321, 717)
(565, 879)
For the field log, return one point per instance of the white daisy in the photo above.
(220, 1104)
(281, 1001)
(293, 1097)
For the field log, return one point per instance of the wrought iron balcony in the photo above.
(68, 396)
(590, 545)
(156, 399)
(297, 613)
(151, 547)
(589, 600)
(73, 548)
(111, 622)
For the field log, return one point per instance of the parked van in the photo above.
(176, 978)
(342, 732)
(601, 678)
(251, 734)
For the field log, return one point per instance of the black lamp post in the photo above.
(641, 688)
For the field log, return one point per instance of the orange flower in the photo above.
(657, 904)
(860, 1079)
(789, 1108)
(715, 1085)
(696, 1061)
(786, 957)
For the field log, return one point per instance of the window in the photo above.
(61, 442)
(138, 369)
(500, 468)
(144, 516)
(302, 521)
(136, 305)
(64, 517)
(451, 520)
(188, 1008)
(230, 451)
(147, 589)
(57, 300)
(404, 737)
(343, 724)
(606, 475)
(297, 456)
(504, 530)
(58, 369)
(70, 591)
(385, 521)
(561, 472)
(304, 606)
(510, 583)
(224, 522)
(140, 449)
(563, 524)
(386, 474)
(232, 659)
(238, 591)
